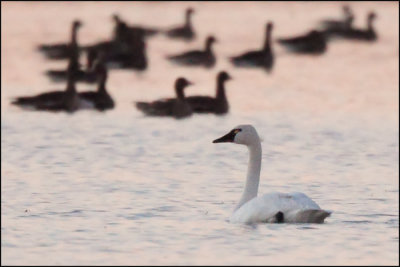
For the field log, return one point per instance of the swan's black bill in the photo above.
(229, 137)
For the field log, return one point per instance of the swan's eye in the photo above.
(236, 131)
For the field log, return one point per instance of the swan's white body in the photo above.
(273, 207)
(265, 207)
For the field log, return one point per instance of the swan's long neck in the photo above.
(253, 174)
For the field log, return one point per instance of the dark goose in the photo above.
(345, 23)
(176, 107)
(263, 58)
(218, 104)
(121, 28)
(204, 58)
(62, 51)
(67, 100)
(86, 76)
(126, 51)
(351, 33)
(313, 42)
(100, 99)
(184, 32)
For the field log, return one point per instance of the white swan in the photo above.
(272, 207)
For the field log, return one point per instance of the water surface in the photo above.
(121, 188)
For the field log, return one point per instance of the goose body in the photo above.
(204, 58)
(121, 28)
(173, 107)
(63, 51)
(206, 104)
(127, 50)
(184, 32)
(313, 42)
(273, 207)
(263, 58)
(351, 33)
(62, 75)
(67, 100)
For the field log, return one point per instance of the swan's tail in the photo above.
(311, 216)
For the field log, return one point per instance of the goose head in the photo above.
(180, 85)
(189, 11)
(223, 76)
(347, 10)
(243, 134)
(76, 24)
(371, 16)
(116, 18)
(209, 41)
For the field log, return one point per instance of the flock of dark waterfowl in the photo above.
(127, 50)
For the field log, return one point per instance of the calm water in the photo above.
(121, 188)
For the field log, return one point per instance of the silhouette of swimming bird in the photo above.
(184, 32)
(334, 24)
(82, 75)
(218, 104)
(63, 51)
(121, 28)
(127, 50)
(100, 99)
(67, 100)
(263, 58)
(313, 42)
(351, 33)
(204, 58)
(175, 107)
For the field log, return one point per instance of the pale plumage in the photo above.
(272, 207)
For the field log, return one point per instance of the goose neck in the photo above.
(188, 22)
(369, 24)
(71, 85)
(208, 46)
(74, 34)
(179, 93)
(267, 42)
(102, 82)
(220, 89)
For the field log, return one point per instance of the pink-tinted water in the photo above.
(121, 188)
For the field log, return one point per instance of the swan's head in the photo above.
(242, 134)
